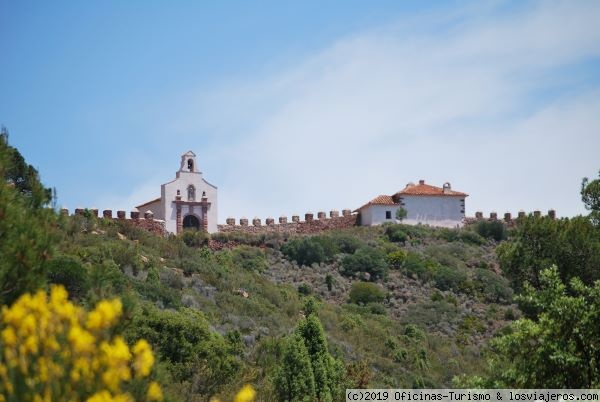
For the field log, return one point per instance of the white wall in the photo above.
(432, 209)
(156, 207)
(169, 192)
(375, 214)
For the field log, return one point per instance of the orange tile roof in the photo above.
(380, 200)
(426, 189)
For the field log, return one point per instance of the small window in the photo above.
(388, 214)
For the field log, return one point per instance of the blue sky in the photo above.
(306, 106)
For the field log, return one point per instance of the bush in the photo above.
(416, 266)
(304, 289)
(365, 259)
(491, 230)
(494, 287)
(396, 258)
(90, 360)
(249, 258)
(304, 250)
(376, 308)
(450, 279)
(69, 272)
(396, 234)
(189, 348)
(470, 237)
(448, 234)
(366, 292)
(195, 238)
(346, 243)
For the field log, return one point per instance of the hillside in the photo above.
(441, 296)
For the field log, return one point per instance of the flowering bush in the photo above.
(54, 350)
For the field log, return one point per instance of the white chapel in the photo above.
(188, 201)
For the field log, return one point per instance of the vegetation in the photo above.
(296, 315)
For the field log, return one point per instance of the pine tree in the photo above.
(295, 381)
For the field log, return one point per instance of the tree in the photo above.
(294, 380)
(401, 214)
(590, 195)
(26, 226)
(327, 371)
(193, 352)
(540, 242)
(322, 379)
(558, 349)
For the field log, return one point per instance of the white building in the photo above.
(426, 204)
(188, 201)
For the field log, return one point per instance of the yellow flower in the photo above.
(154, 392)
(9, 337)
(144, 359)
(81, 340)
(106, 313)
(246, 394)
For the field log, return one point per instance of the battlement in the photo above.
(309, 225)
(145, 221)
(508, 218)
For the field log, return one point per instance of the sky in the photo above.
(305, 106)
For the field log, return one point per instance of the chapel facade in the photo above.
(188, 201)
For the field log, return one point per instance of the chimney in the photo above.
(421, 181)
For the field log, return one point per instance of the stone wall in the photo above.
(145, 221)
(507, 217)
(307, 226)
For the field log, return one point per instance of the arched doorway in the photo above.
(191, 222)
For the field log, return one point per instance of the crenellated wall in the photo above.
(309, 225)
(144, 221)
(507, 217)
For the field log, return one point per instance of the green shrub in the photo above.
(351, 321)
(416, 266)
(249, 258)
(195, 238)
(304, 289)
(413, 332)
(376, 308)
(69, 272)
(396, 234)
(493, 287)
(346, 243)
(448, 234)
(449, 279)
(191, 351)
(400, 355)
(304, 250)
(470, 237)
(396, 258)
(329, 281)
(366, 292)
(491, 230)
(366, 259)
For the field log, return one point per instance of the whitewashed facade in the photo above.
(424, 204)
(188, 201)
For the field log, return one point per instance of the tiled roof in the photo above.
(426, 189)
(380, 200)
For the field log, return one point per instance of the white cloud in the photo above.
(448, 101)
